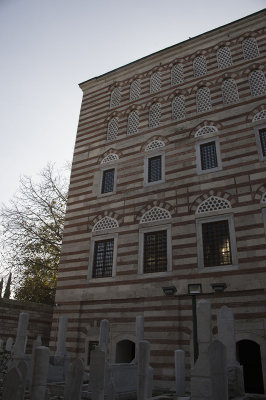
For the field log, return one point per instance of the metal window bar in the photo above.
(155, 169)
(208, 156)
(155, 252)
(103, 258)
(216, 244)
(108, 180)
(262, 133)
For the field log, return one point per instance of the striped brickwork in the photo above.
(241, 181)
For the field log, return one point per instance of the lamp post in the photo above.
(194, 290)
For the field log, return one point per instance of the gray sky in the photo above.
(49, 46)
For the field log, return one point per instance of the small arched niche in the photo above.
(125, 351)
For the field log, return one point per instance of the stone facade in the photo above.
(169, 145)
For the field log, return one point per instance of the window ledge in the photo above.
(218, 268)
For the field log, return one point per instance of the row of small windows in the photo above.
(203, 100)
(224, 60)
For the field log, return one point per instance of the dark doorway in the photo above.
(125, 351)
(248, 355)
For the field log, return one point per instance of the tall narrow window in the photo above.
(262, 133)
(155, 169)
(155, 82)
(224, 58)
(200, 66)
(178, 108)
(103, 258)
(115, 97)
(208, 155)
(108, 180)
(133, 122)
(155, 115)
(155, 251)
(203, 99)
(229, 91)
(112, 129)
(177, 75)
(250, 48)
(216, 244)
(135, 90)
(257, 83)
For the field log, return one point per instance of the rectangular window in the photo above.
(216, 243)
(108, 180)
(208, 155)
(155, 169)
(103, 258)
(155, 251)
(262, 134)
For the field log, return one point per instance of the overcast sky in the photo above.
(49, 46)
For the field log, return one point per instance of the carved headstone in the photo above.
(21, 338)
(61, 339)
(217, 358)
(143, 370)
(40, 372)
(97, 374)
(139, 334)
(9, 344)
(12, 385)
(180, 372)
(23, 369)
(104, 335)
(74, 380)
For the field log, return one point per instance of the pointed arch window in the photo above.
(200, 66)
(229, 91)
(135, 90)
(133, 122)
(250, 48)
(155, 82)
(178, 107)
(203, 99)
(259, 116)
(155, 115)
(224, 58)
(177, 74)
(112, 129)
(257, 82)
(115, 97)
(206, 130)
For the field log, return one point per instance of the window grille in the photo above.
(155, 144)
(229, 91)
(155, 214)
(155, 115)
(108, 180)
(155, 252)
(224, 58)
(259, 116)
(250, 48)
(155, 82)
(155, 169)
(115, 97)
(177, 75)
(109, 158)
(200, 66)
(213, 203)
(205, 130)
(203, 99)
(133, 122)
(262, 134)
(257, 83)
(178, 108)
(208, 156)
(112, 129)
(263, 199)
(216, 244)
(103, 258)
(135, 90)
(105, 223)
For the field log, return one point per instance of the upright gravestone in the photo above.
(21, 338)
(40, 372)
(61, 339)
(97, 373)
(74, 381)
(9, 344)
(12, 385)
(23, 369)
(201, 387)
(180, 372)
(219, 381)
(1, 344)
(226, 334)
(104, 335)
(143, 370)
(37, 343)
(139, 334)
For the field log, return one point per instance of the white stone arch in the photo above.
(155, 214)
(109, 158)
(154, 145)
(205, 130)
(213, 203)
(104, 224)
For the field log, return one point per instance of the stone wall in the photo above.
(39, 321)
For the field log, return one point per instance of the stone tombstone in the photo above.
(37, 342)
(104, 335)
(21, 338)
(217, 358)
(139, 334)
(74, 380)
(61, 339)
(201, 387)
(226, 334)
(143, 370)
(1, 344)
(40, 372)
(9, 344)
(23, 369)
(97, 373)
(12, 385)
(180, 372)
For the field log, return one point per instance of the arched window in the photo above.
(178, 108)
(112, 129)
(224, 58)
(105, 223)
(213, 203)
(205, 130)
(155, 214)
(109, 158)
(133, 122)
(155, 82)
(200, 66)
(259, 116)
(257, 83)
(155, 115)
(115, 97)
(135, 90)
(177, 75)
(154, 145)
(229, 91)
(203, 99)
(250, 48)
